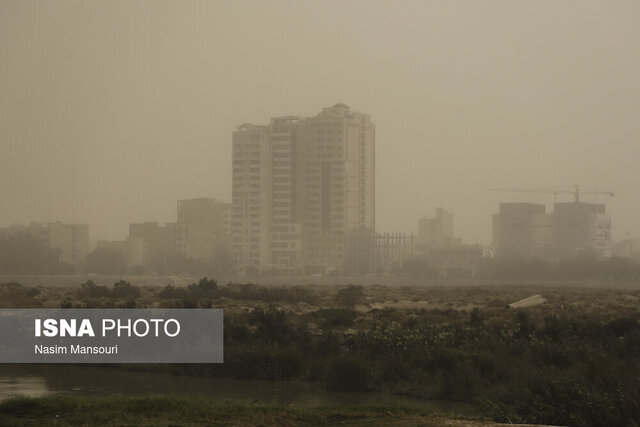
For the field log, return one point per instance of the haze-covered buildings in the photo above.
(434, 251)
(526, 230)
(203, 228)
(392, 250)
(303, 194)
(436, 231)
(200, 233)
(71, 241)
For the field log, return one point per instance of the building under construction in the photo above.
(572, 229)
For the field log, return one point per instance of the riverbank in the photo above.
(159, 410)
(571, 360)
(35, 380)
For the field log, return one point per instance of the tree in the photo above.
(125, 290)
(349, 296)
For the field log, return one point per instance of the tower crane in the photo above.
(556, 190)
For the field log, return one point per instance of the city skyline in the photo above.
(466, 98)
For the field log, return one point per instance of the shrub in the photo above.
(349, 374)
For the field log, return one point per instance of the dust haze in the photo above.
(112, 111)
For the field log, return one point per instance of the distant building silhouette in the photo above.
(71, 240)
(393, 250)
(575, 228)
(202, 232)
(132, 251)
(436, 231)
(628, 248)
(203, 228)
(159, 241)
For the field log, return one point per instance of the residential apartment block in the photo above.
(303, 194)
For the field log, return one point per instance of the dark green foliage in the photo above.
(349, 374)
(558, 363)
(485, 363)
(561, 403)
(90, 290)
(525, 328)
(335, 317)
(272, 294)
(535, 369)
(622, 326)
(172, 292)
(475, 318)
(76, 410)
(349, 296)
(266, 362)
(205, 288)
(125, 290)
(272, 325)
(13, 295)
(441, 360)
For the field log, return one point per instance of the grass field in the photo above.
(150, 410)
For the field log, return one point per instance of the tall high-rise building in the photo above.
(251, 196)
(303, 198)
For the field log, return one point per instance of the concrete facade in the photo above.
(303, 196)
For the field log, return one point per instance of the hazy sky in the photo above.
(132, 103)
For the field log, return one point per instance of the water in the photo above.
(25, 386)
(40, 380)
